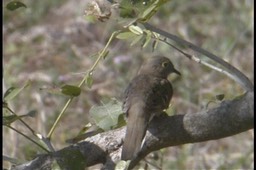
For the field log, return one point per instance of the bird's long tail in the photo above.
(135, 132)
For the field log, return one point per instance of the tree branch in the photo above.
(234, 73)
(229, 118)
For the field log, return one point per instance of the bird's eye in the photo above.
(165, 64)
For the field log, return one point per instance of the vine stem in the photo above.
(32, 131)
(101, 55)
(28, 138)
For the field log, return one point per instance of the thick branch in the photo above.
(229, 118)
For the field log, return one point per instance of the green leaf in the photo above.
(67, 90)
(142, 10)
(149, 11)
(71, 90)
(88, 131)
(220, 97)
(148, 38)
(12, 92)
(7, 120)
(127, 9)
(107, 116)
(9, 92)
(89, 80)
(15, 5)
(131, 9)
(32, 113)
(125, 35)
(137, 39)
(135, 29)
(85, 128)
(122, 164)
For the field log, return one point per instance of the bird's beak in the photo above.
(176, 71)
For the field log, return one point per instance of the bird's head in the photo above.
(158, 66)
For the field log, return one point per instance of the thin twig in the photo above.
(28, 138)
(32, 131)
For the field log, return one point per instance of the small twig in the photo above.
(28, 138)
(58, 118)
(32, 131)
(99, 57)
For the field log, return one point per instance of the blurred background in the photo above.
(51, 43)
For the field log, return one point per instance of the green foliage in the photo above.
(122, 164)
(141, 9)
(220, 97)
(126, 35)
(12, 92)
(140, 35)
(15, 5)
(70, 90)
(89, 80)
(135, 29)
(67, 90)
(7, 120)
(108, 116)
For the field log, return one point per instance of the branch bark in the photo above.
(227, 119)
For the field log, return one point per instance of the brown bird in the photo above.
(148, 94)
